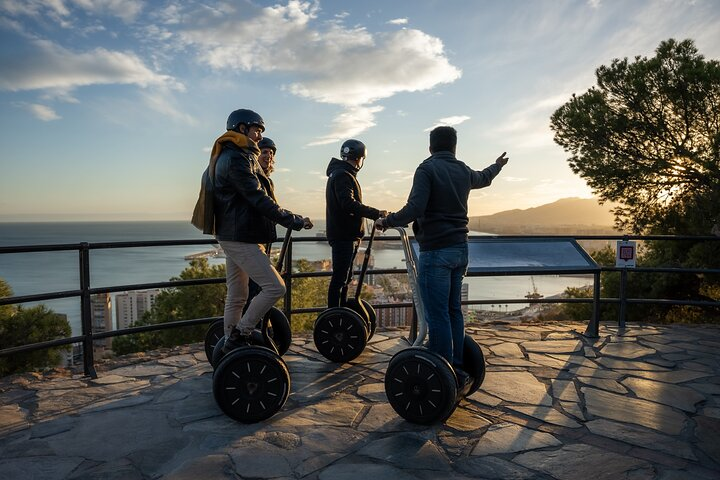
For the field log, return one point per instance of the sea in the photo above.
(44, 272)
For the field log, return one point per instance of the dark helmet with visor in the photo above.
(353, 150)
(244, 117)
(267, 143)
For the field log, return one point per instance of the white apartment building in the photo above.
(131, 306)
(101, 317)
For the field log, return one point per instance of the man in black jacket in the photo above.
(245, 216)
(345, 214)
(437, 206)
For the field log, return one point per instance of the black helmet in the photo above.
(267, 143)
(352, 150)
(244, 117)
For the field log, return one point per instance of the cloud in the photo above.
(334, 64)
(42, 112)
(61, 11)
(127, 10)
(351, 122)
(403, 61)
(50, 66)
(449, 121)
(161, 100)
(398, 21)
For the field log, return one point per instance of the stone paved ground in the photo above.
(638, 404)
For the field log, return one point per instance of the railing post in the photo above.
(85, 312)
(287, 277)
(593, 328)
(623, 297)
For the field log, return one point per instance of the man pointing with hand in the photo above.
(438, 207)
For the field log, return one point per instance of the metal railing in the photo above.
(84, 293)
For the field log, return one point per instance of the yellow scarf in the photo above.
(238, 139)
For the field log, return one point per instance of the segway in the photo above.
(278, 324)
(252, 382)
(341, 333)
(422, 386)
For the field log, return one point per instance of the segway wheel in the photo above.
(215, 332)
(251, 384)
(279, 330)
(361, 308)
(420, 386)
(217, 355)
(340, 334)
(372, 317)
(473, 363)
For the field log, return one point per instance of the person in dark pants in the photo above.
(345, 214)
(438, 208)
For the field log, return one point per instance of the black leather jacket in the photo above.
(244, 200)
(344, 210)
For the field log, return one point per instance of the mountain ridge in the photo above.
(566, 215)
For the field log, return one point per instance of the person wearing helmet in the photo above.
(266, 159)
(438, 206)
(345, 214)
(246, 213)
(267, 155)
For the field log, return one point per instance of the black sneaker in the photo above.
(235, 340)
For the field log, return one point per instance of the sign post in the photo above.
(625, 257)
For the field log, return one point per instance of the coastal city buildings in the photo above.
(131, 306)
(101, 317)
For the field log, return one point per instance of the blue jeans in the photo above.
(440, 276)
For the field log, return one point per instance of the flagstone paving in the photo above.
(638, 403)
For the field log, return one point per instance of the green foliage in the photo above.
(578, 311)
(648, 136)
(6, 291)
(307, 293)
(32, 325)
(180, 303)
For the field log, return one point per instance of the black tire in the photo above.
(372, 317)
(217, 352)
(340, 334)
(279, 330)
(473, 363)
(361, 308)
(251, 384)
(420, 386)
(215, 332)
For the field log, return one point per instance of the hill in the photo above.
(566, 216)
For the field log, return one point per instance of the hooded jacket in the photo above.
(437, 204)
(243, 197)
(344, 210)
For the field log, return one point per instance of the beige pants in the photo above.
(244, 261)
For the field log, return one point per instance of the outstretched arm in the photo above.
(483, 178)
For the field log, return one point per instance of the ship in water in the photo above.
(215, 252)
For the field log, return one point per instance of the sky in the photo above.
(109, 108)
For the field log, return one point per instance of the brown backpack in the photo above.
(203, 217)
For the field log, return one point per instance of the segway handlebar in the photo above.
(366, 261)
(283, 250)
(411, 263)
